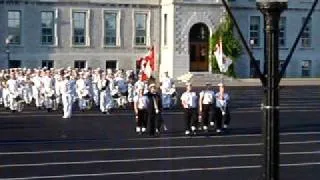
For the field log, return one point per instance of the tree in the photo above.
(231, 46)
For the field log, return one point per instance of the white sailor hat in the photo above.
(208, 83)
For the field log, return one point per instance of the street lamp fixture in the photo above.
(271, 9)
(8, 42)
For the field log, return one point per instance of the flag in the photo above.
(223, 61)
(150, 57)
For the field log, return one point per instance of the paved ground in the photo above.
(38, 145)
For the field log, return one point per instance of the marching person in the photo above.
(154, 110)
(66, 91)
(13, 92)
(222, 109)
(168, 90)
(106, 101)
(36, 90)
(48, 91)
(140, 109)
(206, 103)
(189, 103)
(82, 92)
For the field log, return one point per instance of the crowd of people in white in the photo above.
(52, 89)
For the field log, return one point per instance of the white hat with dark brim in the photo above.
(152, 85)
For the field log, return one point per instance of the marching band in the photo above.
(84, 89)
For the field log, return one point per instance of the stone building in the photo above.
(114, 33)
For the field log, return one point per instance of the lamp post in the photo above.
(8, 42)
(271, 9)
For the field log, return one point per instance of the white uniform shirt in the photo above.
(222, 102)
(142, 101)
(208, 96)
(66, 87)
(12, 86)
(189, 99)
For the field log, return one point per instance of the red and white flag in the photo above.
(147, 63)
(223, 61)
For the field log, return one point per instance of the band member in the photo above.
(82, 92)
(122, 86)
(206, 102)
(66, 91)
(222, 108)
(95, 89)
(105, 94)
(48, 91)
(27, 89)
(36, 90)
(140, 109)
(154, 110)
(130, 91)
(13, 92)
(5, 92)
(168, 91)
(189, 102)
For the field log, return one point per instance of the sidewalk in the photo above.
(256, 82)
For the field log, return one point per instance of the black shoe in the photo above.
(13, 111)
(49, 109)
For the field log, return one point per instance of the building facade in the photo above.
(115, 33)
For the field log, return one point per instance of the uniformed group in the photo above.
(65, 88)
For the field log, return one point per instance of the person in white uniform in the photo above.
(48, 91)
(189, 102)
(168, 91)
(106, 101)
(206, 103)
(66, 91)
(222, 109)
(140, 102)
(13, 92)
(36, 90)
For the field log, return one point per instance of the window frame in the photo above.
(80, 61)
(303, 39)
(116, 62)
(46, 62)
(87, 27)
(148, 26)
(309, 68)
(284, 31)
(20, 43)
(118, 27)
(256, 45)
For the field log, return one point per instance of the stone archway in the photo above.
(199, 48)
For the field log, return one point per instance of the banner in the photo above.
(147, 64)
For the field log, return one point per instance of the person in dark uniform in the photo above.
(206, 102)
(189, 102)
(222, 115)
(140, 108)
(154, 110)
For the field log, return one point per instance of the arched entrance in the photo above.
(199, 48)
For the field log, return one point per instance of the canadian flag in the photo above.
(223, 61)
(147, 63)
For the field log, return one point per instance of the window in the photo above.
(282, 35)
(47, 28)
(14, 64)
(47, 63)
(140, 20)
(306, 68)
(253, 71)
(111, 64)
(165, 29)
(254, 34)
(111, 28)
(14, 26)
(80, 28)
(306, 35)
(80, 64)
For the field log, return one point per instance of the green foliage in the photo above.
(231, 46)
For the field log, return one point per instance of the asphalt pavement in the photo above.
(91, 145)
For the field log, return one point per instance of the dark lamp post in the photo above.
(271, 9)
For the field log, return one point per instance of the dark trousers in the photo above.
(153, 122)
(190, 117)
(222, 119)
(142, 118)
(206, 109)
